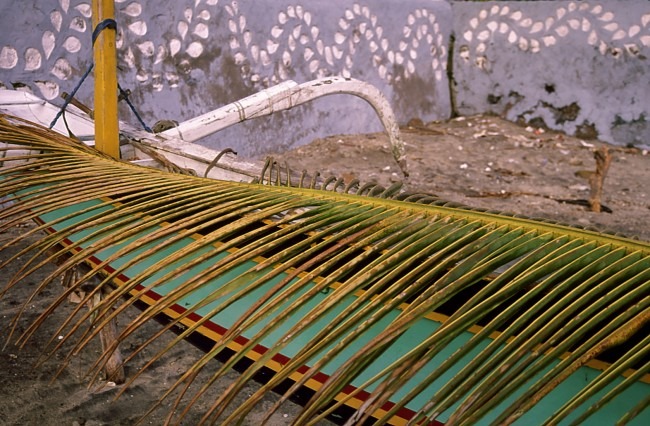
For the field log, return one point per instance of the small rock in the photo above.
(415, 122)
(575, 162)
(579, 187)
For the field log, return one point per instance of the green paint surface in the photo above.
(417, 333)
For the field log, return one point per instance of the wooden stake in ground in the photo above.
(114, 368)
(603, 160)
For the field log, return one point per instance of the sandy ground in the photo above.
(480, 161)
(484, 161)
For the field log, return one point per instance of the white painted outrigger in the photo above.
(176, 145)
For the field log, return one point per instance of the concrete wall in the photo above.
(576, 66)
(193, 56)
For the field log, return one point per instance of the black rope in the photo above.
(110, 24)
(106, 23)
(69, 98)
(125, 96)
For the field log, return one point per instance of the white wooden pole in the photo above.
(285, 96)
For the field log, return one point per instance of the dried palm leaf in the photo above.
(398, 309)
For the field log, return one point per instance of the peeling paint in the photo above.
(567, 67)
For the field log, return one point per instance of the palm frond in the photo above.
(398, 311)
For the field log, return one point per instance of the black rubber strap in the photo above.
(106, 23)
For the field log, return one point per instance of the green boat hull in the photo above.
(220, 323)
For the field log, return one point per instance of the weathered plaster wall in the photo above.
(188, 57)
(577, 66)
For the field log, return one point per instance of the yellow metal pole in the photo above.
(106, 125)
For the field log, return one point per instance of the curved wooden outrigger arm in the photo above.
(287, 95)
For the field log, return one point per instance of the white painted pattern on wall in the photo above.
(294, 38)
(358, 26)
(594, 20)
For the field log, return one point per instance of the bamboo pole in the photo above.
(104, 54)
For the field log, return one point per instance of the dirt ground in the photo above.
(484, 161)
(479, 161)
